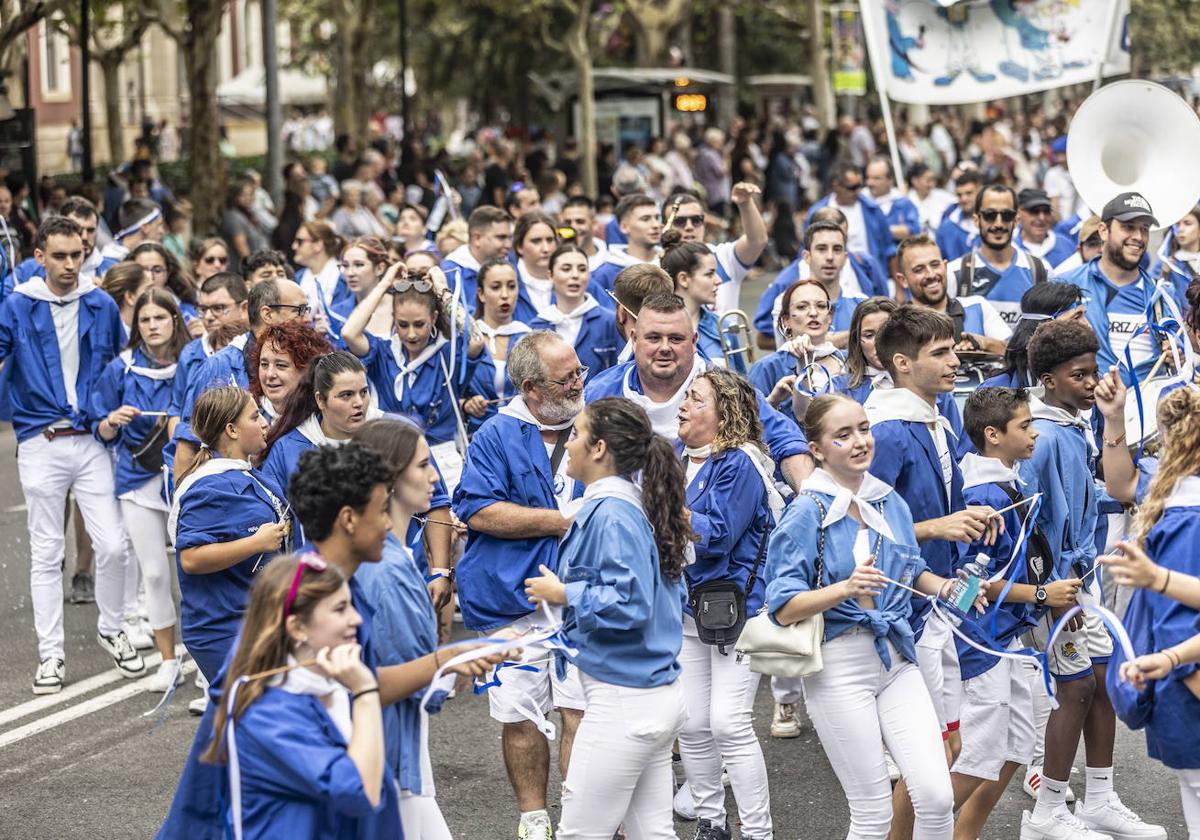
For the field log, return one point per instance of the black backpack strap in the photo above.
(966, 273)
(958, 316)
(560, 449)
(762, 550)
(1037, 545)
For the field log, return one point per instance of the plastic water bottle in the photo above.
(966, 588)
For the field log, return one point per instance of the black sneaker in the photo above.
(83, 588)
(128, 661)
(707, 831)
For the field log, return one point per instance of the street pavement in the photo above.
(88, 764)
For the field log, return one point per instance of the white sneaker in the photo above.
(1113, 818)
(1033, 781)
(892, 768)
(1062, 825)
(198, 706)
(200, 682)
(684, 804)
(168, 675)
(535, 828)
(784, 723)
(139, 634)
(49, 677)
(128, 661)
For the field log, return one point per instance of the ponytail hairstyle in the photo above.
(856, 359)
(736, 406)
(1174, 241)
(1180, 412)
(818, 409)
(487, 268)
(394, 441)
(179, 333)
(625, 428)
(324, 233)
(302, 402)
(124, 278)
(374, 248)
(215, 409)
(264, 642)
(679, 256)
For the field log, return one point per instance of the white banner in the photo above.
(979, 50)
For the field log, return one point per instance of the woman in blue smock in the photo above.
(364, 262)
(331, 403)
(729, 495)
(411, 371)
(405, 625)
(576, 315)
(131, 400)
(1163, 617)
(227, 519)
(125, 283)
(835, 544)
(806, 365)
(490, 388)
(862, 360)
(308, 742)
(693, 270)
(165, 272)
(619, 588)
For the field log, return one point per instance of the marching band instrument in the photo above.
(737, 340)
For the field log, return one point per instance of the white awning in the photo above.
(250, 88)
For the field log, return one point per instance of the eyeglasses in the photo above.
(579, 373)
(689, 221)
(811, 306)
(301, 309)
(216, 260)
(990, 216)
(218, 309)
(304, 561)
(418, 285)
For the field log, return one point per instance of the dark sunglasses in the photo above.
(684, 221)
(990, 216)
(216, 260)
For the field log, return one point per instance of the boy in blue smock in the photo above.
(914, 453)
(1062, 358)
(998, 721)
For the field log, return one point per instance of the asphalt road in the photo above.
(87, 764)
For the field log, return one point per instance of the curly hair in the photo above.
(300, 341)
(330, 478)
(1180, 412)
(736, 405)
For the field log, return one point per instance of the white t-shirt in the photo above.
(943, 450)
(856, 239)
(692, 468)
(1058, 184)
(66, 328)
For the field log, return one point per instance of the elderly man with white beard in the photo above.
(514, 496)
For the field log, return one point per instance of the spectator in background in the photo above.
(352, 219)
(179, 228)
(347, 158)
(239, 225)
(712, 171)
(324, 187)
(75, 145)
(497, 177)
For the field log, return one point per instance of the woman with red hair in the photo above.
(279, 359)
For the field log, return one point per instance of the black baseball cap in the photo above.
(1028, 199)
(1126, 207)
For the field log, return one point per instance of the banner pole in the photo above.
(879, 74)
(1114, 10)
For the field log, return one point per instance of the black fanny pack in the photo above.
(149, 454)
(719, 606)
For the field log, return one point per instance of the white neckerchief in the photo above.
(614, 487)
(1192, 258)
(214, 466)
(664, 416)
(540, 291)
(37, 289)
(511, 328)
(902, 404)
(626, 352)
(517, 408)
(698, 451)
(408, 370)
(977, 470)
(265, 406)
(886, 201)
(568, 324)
(206, 345)
(822, 351)
(160, 373)
(305, 681)
(1042, 411)
(327, 279)
(1186, 493)
(462, 256)
(872, 490)
(312, 431)
(766, 471)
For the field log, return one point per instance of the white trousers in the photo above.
(857, 707)
(620, 771)
(787, 689)
(147, 529)
(421, 818)
(49, 470)
(718, 692)
(1189, 791)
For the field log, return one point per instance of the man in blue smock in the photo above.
(868, 230)
(83, 213)
(514, 496)
(489, 235)
(141, 221)
(664, 364)
(1118, 290)
(57, 335)
(904, 220)
(639, 221)
(1036, 235)
(994, 268)
(957, 231)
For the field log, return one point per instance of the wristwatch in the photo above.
(1040, 596)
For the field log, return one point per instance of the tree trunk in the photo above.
(207, 168)
(818, 66)
(654, 20)
(352, 109)
(727, 52)
(112, 110)
(581, 54)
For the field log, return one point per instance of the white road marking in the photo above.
(72, 691)
(79, 710)
(15, 509)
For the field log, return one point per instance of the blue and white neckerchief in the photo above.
(407, 373)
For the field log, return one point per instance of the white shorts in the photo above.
(997, 720)
(937, 658)
(1074, 651)
(540, 689)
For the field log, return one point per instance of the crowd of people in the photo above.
(400, 399)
